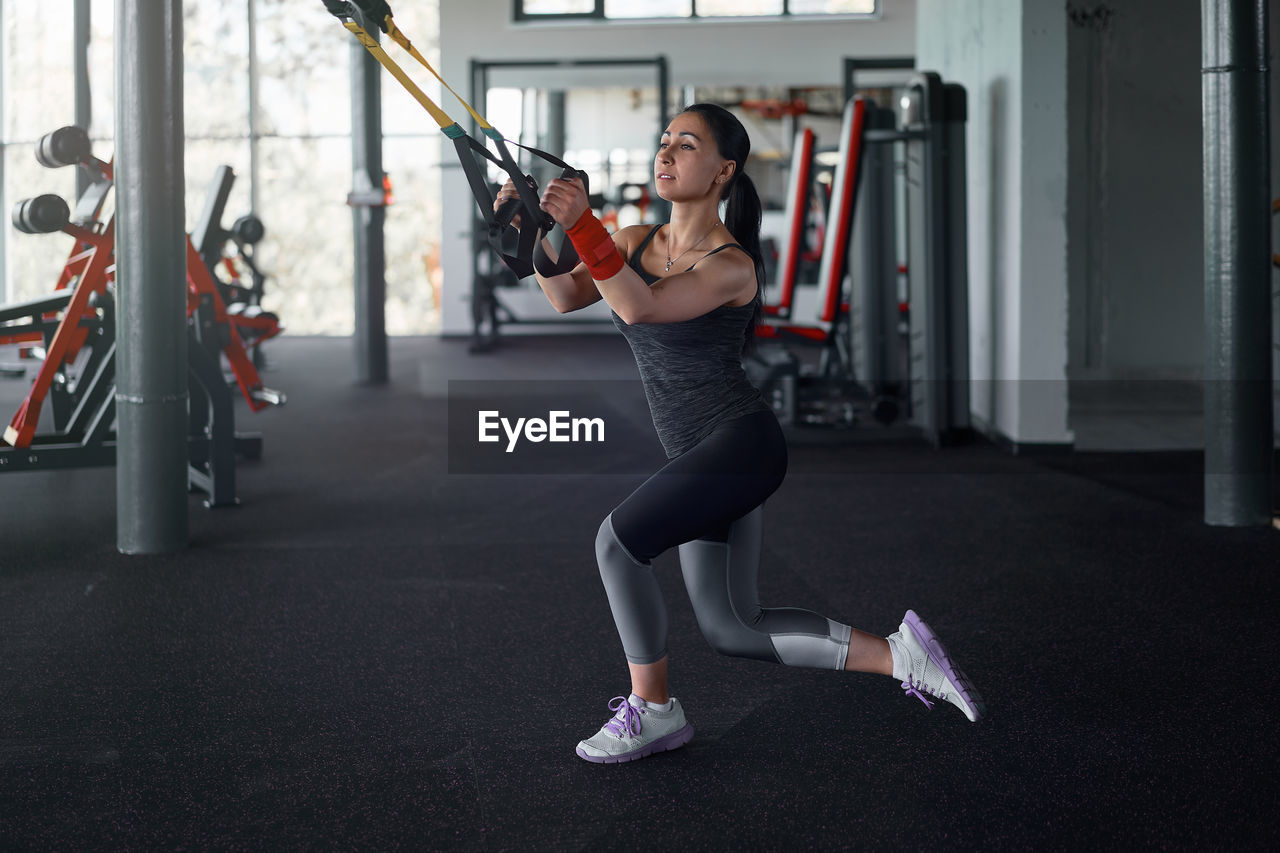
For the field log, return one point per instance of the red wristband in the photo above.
(595, 247)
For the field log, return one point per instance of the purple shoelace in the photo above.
(913, 688)
(628, 724)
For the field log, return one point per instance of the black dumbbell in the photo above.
(248, 229)
(43, 214)
(65, 146)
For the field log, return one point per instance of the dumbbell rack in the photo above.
(76, 328)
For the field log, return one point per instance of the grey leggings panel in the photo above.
(707, 501)
(634, 597)
(721, 580)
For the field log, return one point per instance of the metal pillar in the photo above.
(553, 136)
(873, 265)
(251, 11)
(955, 171)
(80, 64)
(1237, 185)
(926, 255)
(151, 324)
(368, 215)
(4, 266)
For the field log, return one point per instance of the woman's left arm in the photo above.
(717, 280)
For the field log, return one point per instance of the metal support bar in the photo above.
(4, 266)
(853, 66)
(215, 471)
(954, 123)
(660, 206)
(873, 303)
(251, 11)
(553, 136)
(370, 247)
(926, 258)
(881, 137)
(1239, 455)
(83, 92)
(151, 366)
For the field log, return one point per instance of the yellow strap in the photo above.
(401, 39)
(441, 117)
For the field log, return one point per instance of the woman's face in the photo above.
(688, 165)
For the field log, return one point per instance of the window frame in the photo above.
(519, 15)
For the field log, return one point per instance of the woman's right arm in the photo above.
(568, 291)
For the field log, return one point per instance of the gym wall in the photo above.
(1011, 59)
(1136, 200)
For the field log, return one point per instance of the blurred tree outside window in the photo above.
(302, 143)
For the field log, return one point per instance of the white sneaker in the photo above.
(922, 664)
(636, 730)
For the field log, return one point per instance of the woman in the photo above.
(687, 296)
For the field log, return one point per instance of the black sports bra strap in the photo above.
(722, 248)
(719, 249)
(759, 280)
(648, 238)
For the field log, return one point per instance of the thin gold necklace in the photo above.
(671, 260)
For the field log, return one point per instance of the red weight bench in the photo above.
(832, 305)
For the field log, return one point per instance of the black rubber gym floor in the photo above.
(371, 653)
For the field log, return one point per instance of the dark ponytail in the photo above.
(742, 215)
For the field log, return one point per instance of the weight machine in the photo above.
(877, 354)
(71, 334)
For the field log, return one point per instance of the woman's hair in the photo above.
(742, 202)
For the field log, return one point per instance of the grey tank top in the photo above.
(692, 370)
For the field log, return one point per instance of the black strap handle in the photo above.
(535, 222)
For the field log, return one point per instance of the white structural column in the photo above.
(1011, 58)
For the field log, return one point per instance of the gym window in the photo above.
(553, 10)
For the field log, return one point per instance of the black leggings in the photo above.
(707, 502)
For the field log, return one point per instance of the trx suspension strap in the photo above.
(357, 16)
